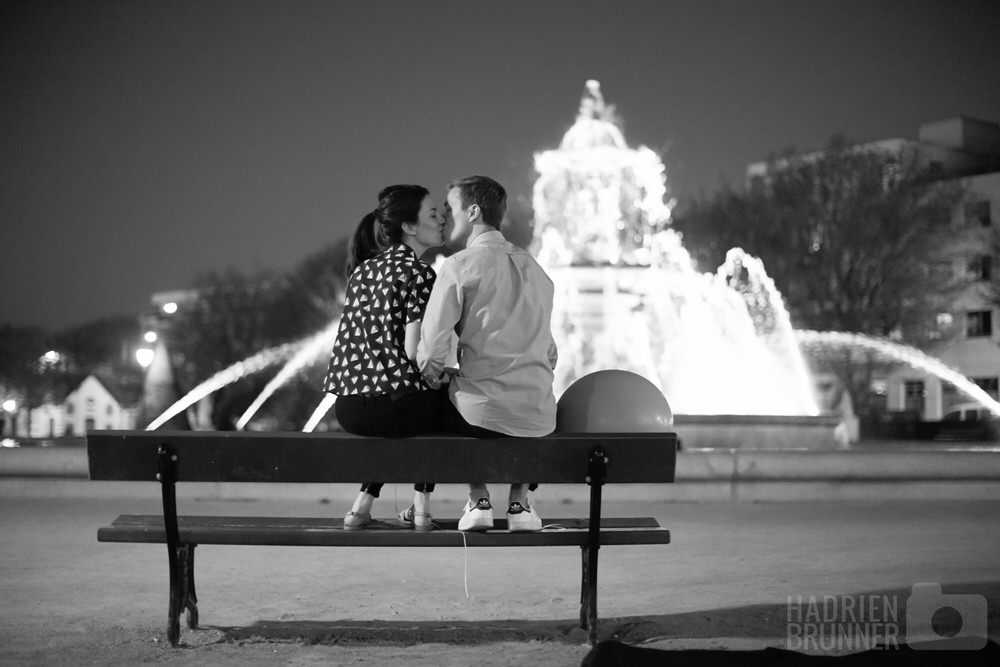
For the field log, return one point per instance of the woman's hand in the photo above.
(441, 380)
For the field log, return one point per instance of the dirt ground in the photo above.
(724, 582)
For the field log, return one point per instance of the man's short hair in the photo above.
(486, 193)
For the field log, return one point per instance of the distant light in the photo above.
(10, 405)
(144, 356)
(945, 319)
(170, 308)
(149, 337)
(51, 356)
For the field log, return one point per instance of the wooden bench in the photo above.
(192, 456)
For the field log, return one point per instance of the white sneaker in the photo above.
(477, 517)
(522, 519)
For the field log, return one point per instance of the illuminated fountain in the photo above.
(627, 295)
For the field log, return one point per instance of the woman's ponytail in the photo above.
(365, 243)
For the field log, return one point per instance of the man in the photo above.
(498, 301)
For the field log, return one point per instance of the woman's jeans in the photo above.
(413, 413)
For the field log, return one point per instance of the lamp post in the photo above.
(9, 408)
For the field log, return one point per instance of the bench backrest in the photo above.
(226, 456)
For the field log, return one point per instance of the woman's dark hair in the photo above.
(384, 226)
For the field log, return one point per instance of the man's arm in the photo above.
(411, 336)
(444, 309)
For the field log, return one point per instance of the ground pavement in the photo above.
(723, 583)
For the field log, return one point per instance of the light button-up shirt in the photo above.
(498, 301)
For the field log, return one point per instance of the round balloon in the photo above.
(613, 401)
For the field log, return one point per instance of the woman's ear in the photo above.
(409, 228)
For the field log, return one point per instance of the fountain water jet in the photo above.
(240, 369)
(324, 406)
(906, 354)
(308, 351)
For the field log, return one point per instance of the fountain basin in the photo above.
(758, 431)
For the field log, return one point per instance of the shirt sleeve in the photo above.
(418, 294)
(444, 309)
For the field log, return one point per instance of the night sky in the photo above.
(144, 142)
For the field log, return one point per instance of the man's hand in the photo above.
(434, 382)
(441, 380)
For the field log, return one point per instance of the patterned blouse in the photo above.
(384, 294)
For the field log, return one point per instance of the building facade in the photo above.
(970, 340)
(966, 150)
(88, 406)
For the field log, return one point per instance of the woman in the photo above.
(373, 367)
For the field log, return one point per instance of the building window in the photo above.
(913, 396)
(90, 405)
(978, 212)
(989, 385)
(108, 411)
(978, 323)
(981, 268)
(69, 408)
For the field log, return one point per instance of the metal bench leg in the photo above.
(596, 470)
(173, 609)
(584, 593)
(167, 476)
(189, 598)
(588, 594)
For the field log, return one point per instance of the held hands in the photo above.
(445, 378)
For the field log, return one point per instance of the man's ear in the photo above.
(475, 213)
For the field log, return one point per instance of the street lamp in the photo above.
(144, 356)
(10, 407)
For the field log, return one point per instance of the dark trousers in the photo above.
(452, 421)
(413, 413)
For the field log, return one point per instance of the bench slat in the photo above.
(216, 456)
(314, 531)
(306, 523)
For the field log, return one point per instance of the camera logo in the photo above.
(937, 622)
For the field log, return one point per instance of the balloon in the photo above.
(613, 401)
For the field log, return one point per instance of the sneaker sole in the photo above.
(476, 527)
(526, 525)
(524, 529)
(361, 527)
